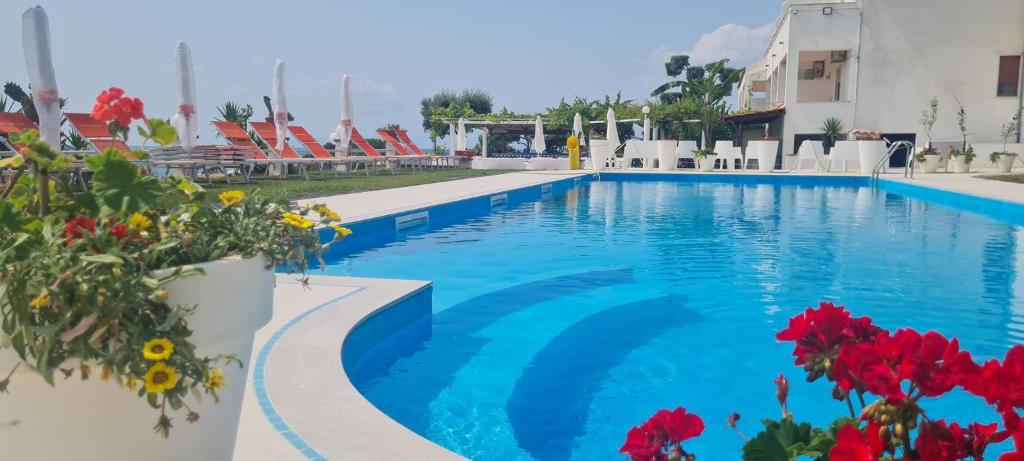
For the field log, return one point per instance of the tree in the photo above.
(831, 131)
(476, 101)
(235, 113)
(707, 86)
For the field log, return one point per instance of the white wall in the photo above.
(912, 50)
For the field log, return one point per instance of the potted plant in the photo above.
(1004, 159)
(929, 158)
(109, 292)
(705, 159)
(831, 132)
(960, 160)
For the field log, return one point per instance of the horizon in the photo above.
(137, 54)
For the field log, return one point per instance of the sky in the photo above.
(527, 54)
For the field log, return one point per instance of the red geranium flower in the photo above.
(112, 105)
(662, 435)
(854, 445)
(1001, 384)
(939, 442)
(74, 227)
(819, 333)
(119, 230)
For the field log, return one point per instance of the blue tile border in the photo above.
(1000, 210)
(259, 386)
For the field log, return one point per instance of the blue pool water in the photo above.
(560, 323)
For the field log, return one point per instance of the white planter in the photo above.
(96, 420)
(958, 165)
(706, 163)
(871, 152)
(667, 158)
(766, 152)
(930, 163)
(1004, 163)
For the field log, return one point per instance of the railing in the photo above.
(908, 169)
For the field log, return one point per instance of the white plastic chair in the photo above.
(813, 152)
(648, 153)
(630, 152)
(728, 154)
(600, 153)
(845, 152)
(685, 150)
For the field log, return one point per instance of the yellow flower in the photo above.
(231, 197)
(341, 232)
(139, 221)
(216, 380)
(328, 213)
(297, 221)
(161, 378)
(106, 373)
(129, 383)
(157, 349)
(40, 301)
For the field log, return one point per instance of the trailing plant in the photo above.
(831, 132)
(900, 370)
(81, 294)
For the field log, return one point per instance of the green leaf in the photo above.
(781, 440)
(159, 131)
(103, 259)
(10, 217)
(118, 184)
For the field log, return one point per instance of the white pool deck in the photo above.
(314, 412)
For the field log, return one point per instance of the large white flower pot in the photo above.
(930, 164)
(667, 157)
(870, 153)
(766, 152)
(96, 420)
(1004, 163)
(958, 164)
(707, 163)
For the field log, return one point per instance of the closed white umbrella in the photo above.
(280, 105)
(538, 136)
(343, 134)
(577, 128)
(35, 37)
(613, 131)
(460, 143)
(186, 120)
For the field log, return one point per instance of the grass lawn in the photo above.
(298, 188)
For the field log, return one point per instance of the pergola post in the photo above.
(483, 148)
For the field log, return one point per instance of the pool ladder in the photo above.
(908, 169)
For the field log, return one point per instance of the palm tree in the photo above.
(831, 131)
(708, 87)
(235, 113)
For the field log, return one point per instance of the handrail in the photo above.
(908, 169)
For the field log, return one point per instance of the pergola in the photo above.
(517, 127)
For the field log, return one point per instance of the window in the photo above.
(1009, 76)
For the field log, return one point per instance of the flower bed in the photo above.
(900, 370)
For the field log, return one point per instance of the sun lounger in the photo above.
(390, 161)
(97, 134)
(238, 137)
(408, 158)
(268, 133)
(319, 152)
(13, 123)
(205, 160)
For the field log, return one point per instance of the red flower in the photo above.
(662, 435)
(74, 227)
(1001, 384)
(819, 333)
(112, 105)
(977, 437)
(938, 442)
(120, 231)
(853, 445)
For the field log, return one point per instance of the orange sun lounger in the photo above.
(97, 134)
(319, 152)
(13, 123)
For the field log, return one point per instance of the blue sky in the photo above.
(528, 54)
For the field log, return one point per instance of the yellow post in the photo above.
(573, 146)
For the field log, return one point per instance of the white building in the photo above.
(875, 64)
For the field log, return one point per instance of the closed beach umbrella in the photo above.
(280, 105)
(538, 136)
(577, 128)
(460, 143)
(613, 131)
(187, 122)
(453, 145)
(343, 133)
(35, 37)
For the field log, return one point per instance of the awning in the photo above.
(747, 118)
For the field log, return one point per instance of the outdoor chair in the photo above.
(844, 152)
(812, 152)
(319, 152)
(267, 132)
(728, 154)
(684, 152)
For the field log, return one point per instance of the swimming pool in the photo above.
(560, 323)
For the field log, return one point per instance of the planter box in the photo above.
(667, 157)
(930, 164)
(871, 152)
(1004, 163)
(96, 420)
(706, 163)
(765, 152)
(958, 165)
